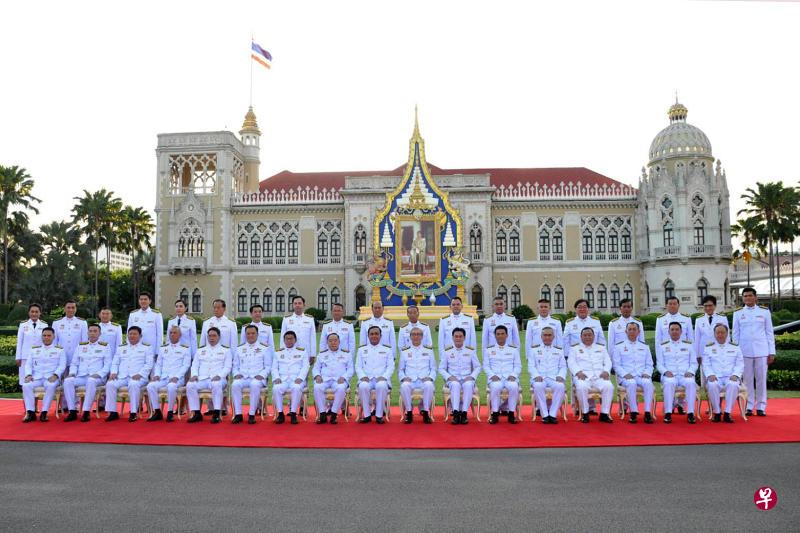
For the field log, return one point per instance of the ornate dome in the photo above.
(679, 139)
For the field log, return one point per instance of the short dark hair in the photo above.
(135, 328)
(589, 328)
(332, 334)
(501, 326)
(374, 327)
(337, 304)
(180, 301)
(544, 301)
(709, 298)
(412, 306)
(670, 298)
(581, 301)
(145, 293)
(213, 328)
(625, 301)
(290, 332)
(106, 308)
(98, 327)
(48, 328)
(254, 306)
(251, 326)
(70, 301)
(498, 298)
(675, 324)
(37, 306)
(750, 290)
(462, 330)
(220, 300)
(454, 298)
(296, 296)
(633, 323)
(721, 325)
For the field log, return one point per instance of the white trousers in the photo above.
(668, 386)
(731, 389)
(172, 392)
(193, 389)
(582, 388)
(296, 394)
(540, 391)
(135, 387)
(755, 371)
(320, 396)
(91, 384)
(381, 389)
(461, 391)
(255, 386)
(407, 388)
(49, 392)
(21, 371)
(496, 387)
(647, 392)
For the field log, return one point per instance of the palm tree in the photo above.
(137, 226)
(746, 229)
(16, 186)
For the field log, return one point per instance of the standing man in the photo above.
(110, 332)
(500, 318)
(226, 328)
(29, 334)
(303, 326)
(149, 321)
(265, 335)
(676, 360)
(502, 365)
(332, 370)
(548, 368)
(404, 335)
(704, 326)
(210, 369)
(186, 325)
(417, 370)
(534, 327)
(130, 368)
(633, 364)
(43, 368)
(374, 368)
(574, 326)
(89, 369)
(173, 362)
(456, 319)
(723, 364)
(343, 328)
(662, 330)
(752, 331)
(460, 368)
(386, 326)
(590, 365)
(289, 373)
(70, 330)
(617, 328)
(251, 367)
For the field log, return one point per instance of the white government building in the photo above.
(559, 233)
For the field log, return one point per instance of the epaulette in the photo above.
(79, 318)
(407, 348)
(429, 346)
(280, 349)
(710, 344)
(59, 346)
(83, 343)
(102, 343)
(734, 343)
(22, 321)
(665, 342)
(687, 342)
(345, 350)
(470, 347)
(32, 347)
(570, 319)
(662, 315)
(306, 314)
(466, 315)
(153, 309)
(535, 345)
(327, 321)
(449, 347)
(513, 345)
(764, 307)
(114, 324)
(491, 346)
(614, 319)
(134, 310)
(264, 345)
(166, 344)
(623, 342)
(509, 314)
(287, 315)
(642, 342)
(559, 347)
(576, 344)
(228, 347)
(242, 344)
(386, 345)
(347, 321)
(323, 351)
(299, 348)
(146, 344)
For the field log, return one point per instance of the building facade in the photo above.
(558, 233)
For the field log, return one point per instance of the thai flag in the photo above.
(260, 55)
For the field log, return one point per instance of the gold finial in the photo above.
(416, 122)
(250, 125)
(677, 112)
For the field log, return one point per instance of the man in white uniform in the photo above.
(417, 370)
(374, 368)
(633, 364)
(456, 319)
(676, 360)
(617, 328)
(704, 326)
(110, 332)
(265, 335)
(460, 367)
(289, 373)
(186, 324)
(210, 369)
(723, 365)
(303, 326)
(332, 370)
(581, 321)
(548, 369)
(343, 328)
(29, 333)
(90, 367)
(149, 321)
(386, 326)
(534, 327)
(404, 335)
(502, 365)
(130, 368)
(43, 368)
(662, 330)
(228, 330)
(752, 331)
(70, 330)
(500, 318)
(173, 362)
(590, 365)
(252, 365)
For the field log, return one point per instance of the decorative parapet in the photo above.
(564, 191)
(298, 195)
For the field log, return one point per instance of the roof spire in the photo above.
(677, 111)
(416, 122)
(250, 125)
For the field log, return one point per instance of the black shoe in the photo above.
(538, 413)
(281, 418)
(553, 420)
(170, 416)
(86, 416)
(648, 418)
(133, 417)
(494, 418)
(512, 419)
(585, 418)
(690, 418)
(605, 418)
(379, 420)
(634, 416)
(366, 420)
(760, 413)
(333, 418)
(668, 418)
(156, 416)
(323, 418)
(749, 412)
(426, 418)
(727, 418)
(251, 419)
(292, 418)
(455, 418)
(409, 417)
(72, 416)
(463, 419)
(196, 417)
(716, 418)
(30, 416)
(210, 412)
(43, 416)
(113, 415)
(237, 419)
(215, 418)
(592, 413)
(680, 410)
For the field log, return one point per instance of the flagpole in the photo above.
(251, 74)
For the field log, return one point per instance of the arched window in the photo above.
(513, 246)
(600, 243)
(669, 290)
(475, 240)
(627, 291)
(255, 296)
(615, 296)
(267, 249)
(626, 244)
(702, 290)
(360, 243)
(322, 299)
(255, 250)
(267, 300)
(292, 249)
(322, 248)
(667, 210)
(587, 245)
(182, 247)
(602, 297)
(336, 296)
(501, 246)
(197, 301)
(558, 246)
(280, 250)
(558, 298)
(588, 294)
(242, 250)
(289, 297)
(184, 296)
(516, 297)
(613, 245)
(280, 301)
(361, 297)
(546, 293)
(242, 301)
(336, 248)
(544, 246)
(477, 296)
(502, 292)
(699, 235)
(201, 247)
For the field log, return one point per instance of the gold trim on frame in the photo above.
(418, 278)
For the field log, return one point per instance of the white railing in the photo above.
(476, 257)
(667, 251)
(564, 190)
(298, 195)
(702, 249)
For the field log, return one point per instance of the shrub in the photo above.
(783, 379)
(8, 345)
(18, 313)
(8, 365)
(318, 314)
(7, 331)
(788, 341)
(522, 312)
(4, 310)
(649, 320)
(605, 318)
(9, 383)
(786, 360)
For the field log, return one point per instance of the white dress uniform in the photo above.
(288, 365)
(504, 319)
(70, 332)
(343, 328)
(265, 335)
(331, 366)
(635, 358)
(173, 362)
(209, 362)
(387, 333)
(548, 363)
(678, 357)
(251, 360)
(722, 361)
(306, 331)
(450, 322)
(662, 328)
(152, 324)
(460, 363)
(130, 360)
(752, 331)
(591, 360)
(29, 334)
(188, 327)
(417, 363)
(617, 334)
(42, 363)
(704, 331)
(111, 334)
(228, 332)
(90, 359)
(533, 332)
(503, 362)
(572, 332)
(404, 335)
(373, 362)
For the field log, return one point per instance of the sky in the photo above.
(87, 86)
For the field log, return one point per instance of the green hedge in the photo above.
(9, 383)
(783, 379)
(786, 360)
(8, 364)
(788, 341)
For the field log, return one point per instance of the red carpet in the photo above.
(782, 425)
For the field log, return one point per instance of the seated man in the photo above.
(590, 365)
(633, 364)
(677, 362)
(460, 368)
(210, 369)
(332, 370)
(374, 368)
(130, 368)
(251, 367)
(43, 368)
(417, 370)
(174, 360)
(502, 365)
(723, 364)
(91, 363)
(289, 373)
(548, 368)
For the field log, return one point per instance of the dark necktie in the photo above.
(34, 325)
(709, 318)
(179, 321)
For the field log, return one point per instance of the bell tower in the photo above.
(251, 137)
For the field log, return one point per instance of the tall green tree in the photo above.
(16, 188)
(746, 230)
(137, 226)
